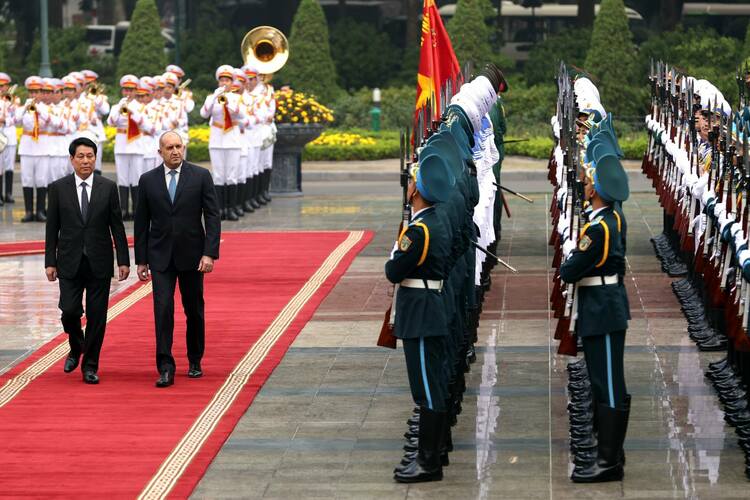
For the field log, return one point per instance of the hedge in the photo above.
(360, 144)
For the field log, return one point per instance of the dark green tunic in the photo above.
(420, 312)
(601, 309)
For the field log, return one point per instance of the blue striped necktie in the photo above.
(172, 185)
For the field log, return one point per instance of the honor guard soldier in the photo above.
(418, 266)
(597, 266)
(176, 106)
(33, 149)
(98, 110)
(126, 116)
(225, 141)
(8, 104)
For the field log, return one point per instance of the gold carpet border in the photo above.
(175, 464)
(15, 385)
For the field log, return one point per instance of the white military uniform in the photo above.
(8, 128)
(225, 140)
(129, 151)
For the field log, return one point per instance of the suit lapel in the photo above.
(73, 195)
(94, 195)
(161, 179)
(184, 178)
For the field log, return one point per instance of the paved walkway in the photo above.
(328, 422)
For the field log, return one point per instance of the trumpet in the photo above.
(30, 105)
(124, 107)
(182, 87)
(9, 95)
(222, 99)
(95, 89)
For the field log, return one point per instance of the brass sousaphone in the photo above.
(265, 48)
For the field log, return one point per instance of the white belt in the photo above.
(599, 280)
(417, 283)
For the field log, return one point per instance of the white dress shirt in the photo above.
(89, 186)
(168, 177)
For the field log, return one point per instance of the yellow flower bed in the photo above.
(342, 139)
(296, 107)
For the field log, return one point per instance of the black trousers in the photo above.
(191, 289)
(605, 362)
(71, 305)
(425, 365)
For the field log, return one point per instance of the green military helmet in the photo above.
(459, 136)
(444, 147)
(610, 179)
(434, 178)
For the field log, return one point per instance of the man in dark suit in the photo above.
(177, 246)
(82, 219)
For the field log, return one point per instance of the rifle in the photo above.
(386, 337)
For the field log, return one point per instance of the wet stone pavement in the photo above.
(329, 420)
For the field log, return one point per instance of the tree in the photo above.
(207, 45)
(611, 59)
(363, 55)
(310, 67)
(746, 46)
(143, 47)
(569, 46)
(470, 34)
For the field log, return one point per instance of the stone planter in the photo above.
(286, 179)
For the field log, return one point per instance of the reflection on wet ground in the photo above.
(329, 420)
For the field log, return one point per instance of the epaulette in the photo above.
(597, 220)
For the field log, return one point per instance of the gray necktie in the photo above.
(172, 185)
(84, 201)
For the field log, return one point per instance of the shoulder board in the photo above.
(597, 220)
(415, 222)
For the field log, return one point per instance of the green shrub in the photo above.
(529, 109)
(69, 51)
(397, 106)
(544, 58)
(310, 68)
(386, 146)
(470, 34)
(143, 47)
(206, 46)
(611, 60)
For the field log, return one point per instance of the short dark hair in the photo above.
(81, 141)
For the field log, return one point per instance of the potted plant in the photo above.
(299, 120)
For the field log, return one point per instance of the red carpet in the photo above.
(29, 247)
(125, 438)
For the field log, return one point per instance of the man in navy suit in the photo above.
(177, 231)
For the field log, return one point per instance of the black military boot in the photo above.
(249, 186)
(41, 204)
(612, 426)
(267, 186)
(231, 202)
(241, 193)
(28, 202)
(427, 466)
(134, 199)
(254, 199)
(221, 195)
(125, 202)
(9, 187)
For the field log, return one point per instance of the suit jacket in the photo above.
(167, 232)
(67, 234)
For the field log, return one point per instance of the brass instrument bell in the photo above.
(265, 48)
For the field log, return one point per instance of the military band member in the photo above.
(33, 149)
(127, 117)
(58, 153)
(597, 267)
(265, 112)
(8, 105)
(254, 138)
(225, 142)
(238, 87)
(98, 110)
(150, 126)
(419, 265)
(177, 105)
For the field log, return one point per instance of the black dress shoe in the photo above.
(71, 362)
(195, 370)
(166, 379)
(90, 377)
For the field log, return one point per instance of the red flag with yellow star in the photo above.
(437, 61)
